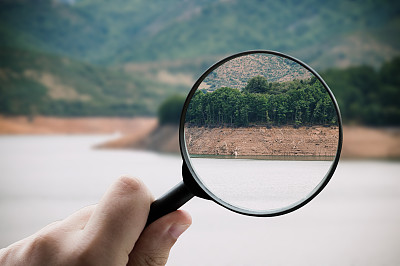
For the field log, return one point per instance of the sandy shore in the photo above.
(367, 142)
(358, 142)
(261, 141)
(82, 125)
(143, 133)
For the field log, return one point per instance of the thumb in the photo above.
(156, 241)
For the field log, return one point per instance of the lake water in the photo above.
(354, 221)
(262, 186)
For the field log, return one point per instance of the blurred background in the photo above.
(91, 89)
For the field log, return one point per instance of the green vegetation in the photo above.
(48, 48)
(297, 103)
(33, 83)
(108, 32)
(365, 96)
(368, 96)
(258, 84)
(170, 110)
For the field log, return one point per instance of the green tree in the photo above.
(170, 110)
(293, 103)
(258, 84)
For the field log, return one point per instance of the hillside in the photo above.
(325, 34)
(37, 83)
(122, 58)
(237, 72)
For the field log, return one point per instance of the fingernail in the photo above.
(177, 229)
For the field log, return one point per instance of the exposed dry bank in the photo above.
(19, 125)
(257, 141)
(143, 133)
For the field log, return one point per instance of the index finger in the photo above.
(120, 217)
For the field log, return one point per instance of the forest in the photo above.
(297, 103)
(68, 58)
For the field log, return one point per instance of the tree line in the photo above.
(366, 95)
(297, 103)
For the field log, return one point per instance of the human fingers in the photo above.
(117, 221)
(156, 241)
(79, 219)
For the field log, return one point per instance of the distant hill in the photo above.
(322, 33)
(36, 83)
(122, 58)
(238, 71)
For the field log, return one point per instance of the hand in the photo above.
(109, 233)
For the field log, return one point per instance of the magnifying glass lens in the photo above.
(261, 133)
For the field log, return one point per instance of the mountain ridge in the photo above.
(118, 32)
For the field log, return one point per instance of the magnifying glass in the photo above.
(260, 134)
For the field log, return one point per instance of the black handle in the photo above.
(169, 202)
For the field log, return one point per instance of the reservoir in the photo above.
(353, 221)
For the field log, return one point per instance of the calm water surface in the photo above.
(354, 221)
(260, 185)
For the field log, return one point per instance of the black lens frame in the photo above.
(270, 213)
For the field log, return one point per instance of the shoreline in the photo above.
(359, 142)
(48, 125)
(260, 141)
(265, 157)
